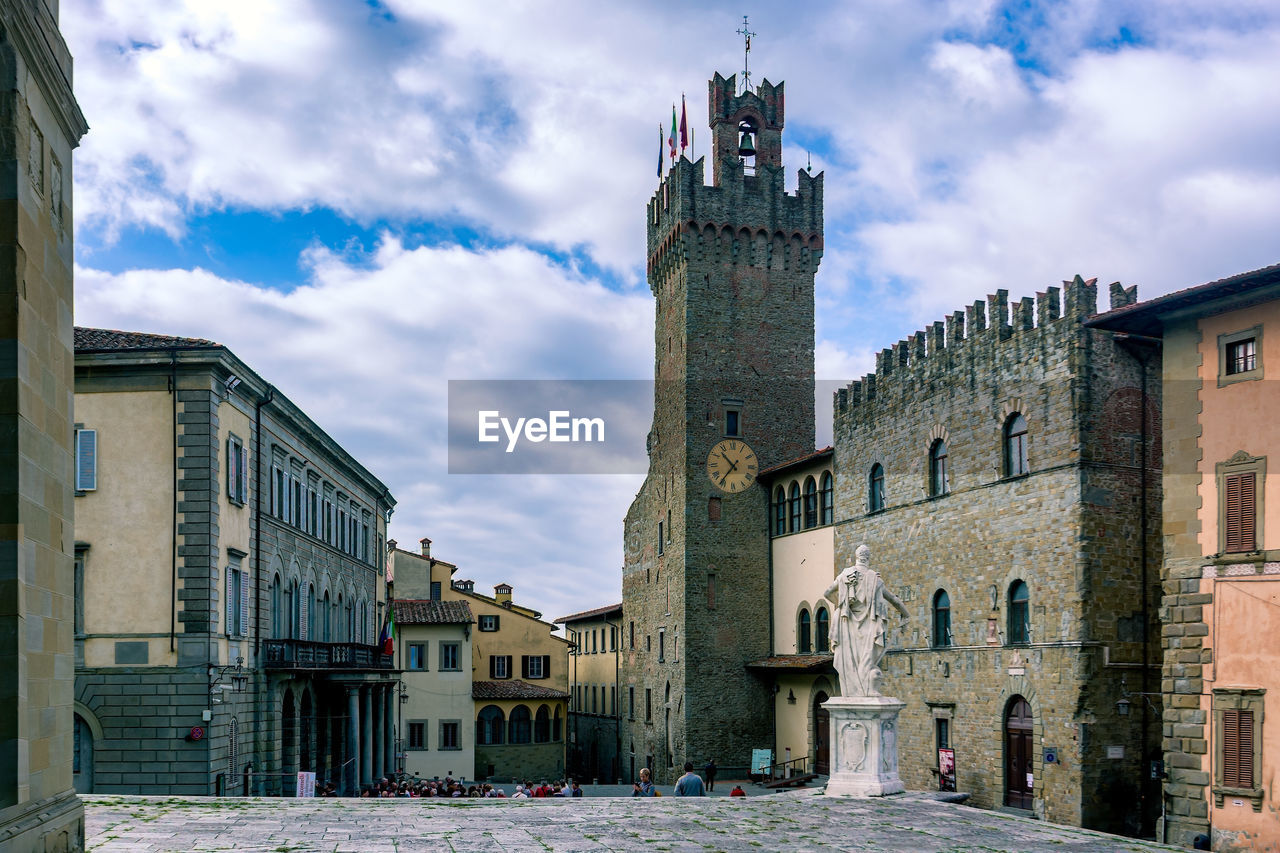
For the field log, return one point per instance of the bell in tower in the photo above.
(746, 147)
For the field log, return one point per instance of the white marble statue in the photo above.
(859, 627)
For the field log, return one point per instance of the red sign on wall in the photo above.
(946, 769)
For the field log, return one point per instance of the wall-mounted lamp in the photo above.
(231, 383)
(238, 677)
(1123, 704)
(791, 697)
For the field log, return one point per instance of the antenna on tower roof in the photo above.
(746, 34)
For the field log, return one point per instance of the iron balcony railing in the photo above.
(305, 654)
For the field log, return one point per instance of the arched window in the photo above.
(803, 643)
(826, 499)
(939, 479)
(1019, 613)
(489, 726)
(326, 635)
(1015, 446)
(941, 619)
(542, 725)
(875, 488)
(364, 623)
(810, 503)
(295, 611)
(795, 507)
(555, 726)
(779, 511)
(309, 618)
(277, 609)
(520, 724)
(822, 631)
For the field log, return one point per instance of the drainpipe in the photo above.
(173, 528)
(257, 553)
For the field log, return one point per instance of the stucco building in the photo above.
(42, 125)
(437, 722)
(518, 671)
(595, 709)
(228, 579)
(1221, 601)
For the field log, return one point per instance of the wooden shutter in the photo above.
(243, 485)
(231, 603)
(86, 460)
(524, 666)
(493, 666)
(244, 603)
(1241, 512)
(546, 666)
(305, 606)
(233, 461)
(1237, 748)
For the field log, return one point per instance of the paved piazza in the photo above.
(800, 820)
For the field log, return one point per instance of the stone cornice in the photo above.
(34, 32)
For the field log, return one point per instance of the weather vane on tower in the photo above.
(746, 34)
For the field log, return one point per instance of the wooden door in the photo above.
(821, 736)
(1019, 764)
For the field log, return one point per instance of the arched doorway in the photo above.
(288, 738)
(821, 735)
(82, 757)
(1017, 754)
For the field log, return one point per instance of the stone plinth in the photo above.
(864, 746)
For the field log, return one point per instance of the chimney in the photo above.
(502, 593)
(391, 544)
(426, 546)
(464, 585)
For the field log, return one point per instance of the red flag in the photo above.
(684, 126)
(671, 140)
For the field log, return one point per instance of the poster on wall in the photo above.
(946, 769)
(306, 784)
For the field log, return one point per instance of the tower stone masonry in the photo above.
(731, 267)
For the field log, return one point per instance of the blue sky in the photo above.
(366, 200)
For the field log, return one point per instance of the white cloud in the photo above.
(366, 347)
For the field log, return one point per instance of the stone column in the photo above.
(350, 770)
(389, 728)
(366, 736)
(378, 771)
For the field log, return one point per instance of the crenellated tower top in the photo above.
(759, 112)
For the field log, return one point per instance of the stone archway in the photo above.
(821, 735)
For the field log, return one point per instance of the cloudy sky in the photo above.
(367, 199)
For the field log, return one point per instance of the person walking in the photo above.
(710, 772)
(690, 784)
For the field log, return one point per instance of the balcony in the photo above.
(304, 654)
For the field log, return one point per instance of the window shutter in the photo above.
(546, 666)
(493, 666)
(231, 604)
(1240, 512)
(86, 460)
(497, 621)
(1237, 748)
(305, 607)
(243, 485)
(524, 666)
(244, 603)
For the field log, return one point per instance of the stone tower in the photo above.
(731, 267)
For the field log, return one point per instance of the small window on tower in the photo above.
(731, 424)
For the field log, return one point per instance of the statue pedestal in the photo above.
(864, 746)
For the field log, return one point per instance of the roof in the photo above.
(591, 614)
(1145, 317)
(794, 663)
(91, 340)
(422, 612)
(513, 690)
(798, 462)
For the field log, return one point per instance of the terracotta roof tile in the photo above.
(798, 462)
(795, 663)
(513, 690)
(111, 339)
(423, 612)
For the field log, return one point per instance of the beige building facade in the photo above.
(228, 581)
(595, 707)
(1221, 575)
(518, 669)
(437, 718)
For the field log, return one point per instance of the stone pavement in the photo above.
(794, 821)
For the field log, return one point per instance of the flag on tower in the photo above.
(684, 125)
(671, 140)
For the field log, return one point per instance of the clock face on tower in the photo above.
(732, 466)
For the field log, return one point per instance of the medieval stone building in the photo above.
(731, 267)
(1003, 467)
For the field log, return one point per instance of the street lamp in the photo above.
(239, 679)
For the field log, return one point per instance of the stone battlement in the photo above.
(984, 327)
